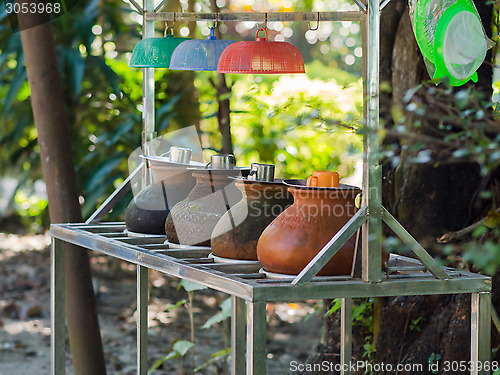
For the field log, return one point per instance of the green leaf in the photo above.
(123, 128)
(493, 219)
(109, 74)
(77, 69)
(336, 305)
(190, 286)
(168, 106)
(14, 88)
(102, 171)
(224, 314)
(178, 304)
(158, 363)
(410, 93)
(462, 99)
(358, 311)
(182, 346)
(214, 357)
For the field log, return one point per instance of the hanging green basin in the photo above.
(154, 52)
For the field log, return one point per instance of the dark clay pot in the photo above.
(237, 233)
(148, 210)
(294, 238)
(192, 221)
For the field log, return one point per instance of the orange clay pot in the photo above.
(192, 221)
(292, 240)
(237, 233)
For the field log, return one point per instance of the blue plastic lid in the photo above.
(199, 54)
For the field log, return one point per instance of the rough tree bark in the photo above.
(59, 174)
(429, 200)
(223, 93)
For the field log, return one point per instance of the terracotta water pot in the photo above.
(192, 221)
(292, 240)
(237, 233)
(148, 210)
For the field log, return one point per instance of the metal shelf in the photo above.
(405, 276)
(250, 290)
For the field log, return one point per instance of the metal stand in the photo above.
(404, 276)
(247, 286)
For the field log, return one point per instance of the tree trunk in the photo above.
(223, 93)
(181, 83)
(59, 174)
(429, 200)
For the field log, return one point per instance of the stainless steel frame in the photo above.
(248, 287)
(405, 276)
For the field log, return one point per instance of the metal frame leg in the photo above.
(345, 335)
(142, 320)
(481, 333)
(57, 316)
(256, 338)
(238, 319)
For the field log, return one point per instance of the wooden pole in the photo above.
(59, 174)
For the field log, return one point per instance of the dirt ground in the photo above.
(25, 317)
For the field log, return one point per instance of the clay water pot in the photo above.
(292, 240)
(148, 210)
(238, 231)
(192, 221)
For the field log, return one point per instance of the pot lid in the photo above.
(261, 57)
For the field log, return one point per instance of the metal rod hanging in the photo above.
(137, 6)
(159, 6)
(257, 16)
(383, 3)
(360, 5)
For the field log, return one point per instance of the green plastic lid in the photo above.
(451, 38)
(155, 52)
(460, 44)
(426, 17)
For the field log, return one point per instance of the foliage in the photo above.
(182, 348)
(221, 316)
(221, 354)
(299, 124)
(179, 350)
(467, 132)
(415, 323)
(31, 210)
(433, 360)
(102, 97)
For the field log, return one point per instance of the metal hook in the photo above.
(265, 22)
(216, 20)
(173, 23)
(317, 25)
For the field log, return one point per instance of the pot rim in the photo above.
(162, 161)
(246, 181)
(301, 184)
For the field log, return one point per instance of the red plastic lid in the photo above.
(261, 57)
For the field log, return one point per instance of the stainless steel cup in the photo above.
(261, 172)
(222, 161)
(180, 155)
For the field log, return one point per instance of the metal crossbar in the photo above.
(259, 17)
